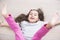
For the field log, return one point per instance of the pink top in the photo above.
(40, 33)
(18, 33)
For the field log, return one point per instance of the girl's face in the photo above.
(33, 16)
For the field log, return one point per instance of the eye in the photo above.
(30, 14)
(35, 14)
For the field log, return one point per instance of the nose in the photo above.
(32, 15)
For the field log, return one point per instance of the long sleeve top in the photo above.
(25, 34)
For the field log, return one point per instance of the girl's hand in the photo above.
(4, 11)
(54, 22)
(3, 24)
(55, 19)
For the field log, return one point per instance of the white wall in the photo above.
(49, 7)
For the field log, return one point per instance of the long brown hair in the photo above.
(20, 18)
(23, 17)
(40, 14)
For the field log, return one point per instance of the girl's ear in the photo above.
(38, 19)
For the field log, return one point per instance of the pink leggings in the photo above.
(18, 33)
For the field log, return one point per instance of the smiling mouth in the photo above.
(31, 18)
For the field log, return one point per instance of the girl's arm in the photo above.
(13, 25)
(41, 32)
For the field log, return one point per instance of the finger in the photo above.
(4, 9)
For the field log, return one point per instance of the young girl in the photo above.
(33, 27)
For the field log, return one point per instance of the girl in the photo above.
(33, 27)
